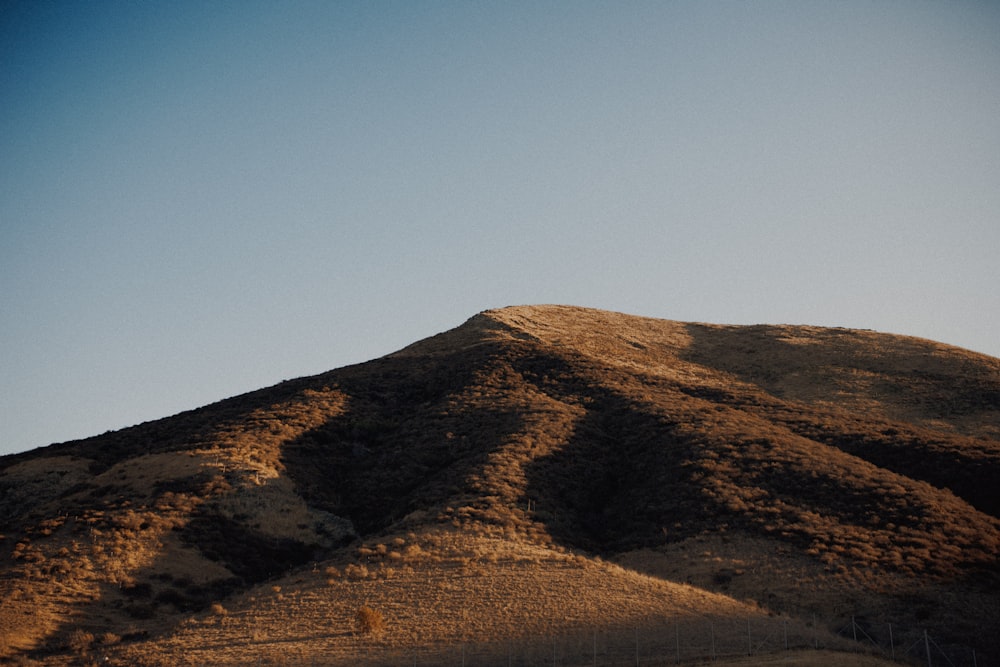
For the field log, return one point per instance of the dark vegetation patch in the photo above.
(191, 484)
(187, 597)
(250, 555)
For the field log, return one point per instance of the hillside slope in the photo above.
(727, 470)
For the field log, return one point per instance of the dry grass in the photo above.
(454, 588)
(536, 470)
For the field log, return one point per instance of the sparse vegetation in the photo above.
(531, 456)
(369, 621)
(109, 639)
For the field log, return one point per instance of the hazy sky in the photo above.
(199, 199)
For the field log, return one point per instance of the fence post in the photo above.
(784, 630)
(927, 647)
(637, 647)
(749, 638)
(677, 640)
(892, 646)
(595, 648)
(711, 631)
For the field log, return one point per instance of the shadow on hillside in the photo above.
(620, 481)
(912, 376)
(409, 442)
(903, 376)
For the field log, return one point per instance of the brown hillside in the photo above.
(534, 472)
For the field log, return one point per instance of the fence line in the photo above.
(922, 649)
(677, 642)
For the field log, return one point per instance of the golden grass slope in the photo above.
(537, 471)
(437, 590)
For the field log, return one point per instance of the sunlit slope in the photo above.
(808, 470)
(439, 589)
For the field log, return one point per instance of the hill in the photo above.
(538, 471)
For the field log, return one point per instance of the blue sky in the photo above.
(199, 199)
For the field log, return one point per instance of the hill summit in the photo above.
(619, 469)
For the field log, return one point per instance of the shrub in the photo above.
(369, 621)
(80, 641)
(353, 571)
(110, 639)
